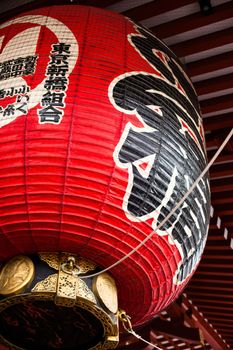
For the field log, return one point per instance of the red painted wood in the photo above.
(154, 8)
(221, 170)
(213, 123)
(210, 64)
(214, 85)
(204, 43)
(194, 21)
(216, 104)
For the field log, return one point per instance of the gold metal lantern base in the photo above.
(46, 303)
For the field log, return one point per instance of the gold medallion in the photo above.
(16, 275)
(105, 288)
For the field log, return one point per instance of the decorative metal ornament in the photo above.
(55, 259)
(61, 306)
(106, 289)
(16, 275)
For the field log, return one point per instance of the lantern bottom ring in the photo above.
(43, 306)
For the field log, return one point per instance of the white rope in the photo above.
(142, 339)
(127, 325)
(171, 213)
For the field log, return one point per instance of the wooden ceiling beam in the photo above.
(212, 320)
(224, 314)
(154, 8)
(138, 345)
(217, 231)
(219, 281)
(213, 225)
(222, 308)
(207, 293)
(210, 64)
(40, 3)
(208, 86)
(159, 342)
(229, 327)
(221, 185)
(214, 222)
(229, 224)
(214, 257)
(228, 221)
(216, 274)
(214, 239)
(203, 43)
(217, 248)
(221, 171)
(217, 103)
(220, 174)
(212, 144)
(216, 288)
(225, 212)
(216, 264)
(194, 21)
(212, 123)
(217, 257)
(132, 343)
(203, 301)
(175, 329)
(220, 196)
(30, 6)
(222, 158)
(194, 318)
(168, 329)
(217, 239)
(222, 200)
(97, 3)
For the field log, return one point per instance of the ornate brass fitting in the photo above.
(16, 275)
(66, 291)
(57, 302)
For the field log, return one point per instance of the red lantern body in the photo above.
(100, 137)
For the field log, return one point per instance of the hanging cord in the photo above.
(126, 323)
(171, 213)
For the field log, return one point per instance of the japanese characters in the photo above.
(15, 68)
(53, 101)
(18, 67)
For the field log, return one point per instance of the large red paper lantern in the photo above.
(101, 136)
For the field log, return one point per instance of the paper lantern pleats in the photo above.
(101, 136)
